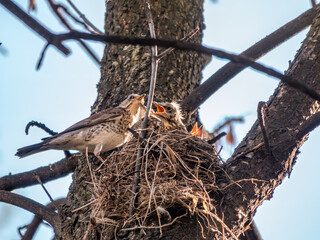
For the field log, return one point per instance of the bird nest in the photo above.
(177, 178)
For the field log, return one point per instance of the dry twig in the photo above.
(96, 30)
(39, 125)
(199, 95)
(179, 173)
(35, 223)
(47, 173)
(185, 38)
(262, 108)
(187, 46)
(228, 71)
(55, 8)
(32, 206)
(153, 79)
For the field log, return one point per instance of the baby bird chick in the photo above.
(169, 114)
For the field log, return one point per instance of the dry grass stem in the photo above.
(178, 179)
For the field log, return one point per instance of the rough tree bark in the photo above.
(288, 109)
(126, 69)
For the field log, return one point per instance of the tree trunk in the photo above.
(252, 175)
(256, 174)
(126, 69)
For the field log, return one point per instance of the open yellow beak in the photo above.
(197, 131)
(194, 129)
(160, 109)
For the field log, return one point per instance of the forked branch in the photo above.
(28, 204)
(47, 173)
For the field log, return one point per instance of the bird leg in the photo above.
(97, 151)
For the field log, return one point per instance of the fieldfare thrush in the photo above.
(101, 132)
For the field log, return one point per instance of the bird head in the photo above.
(169, 114)
(134, 103)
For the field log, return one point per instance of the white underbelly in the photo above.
(77, 140)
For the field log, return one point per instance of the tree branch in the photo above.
(44, 128)
(228, 71)
(153, 80)
(262, 108)
(226, 122)
(39, 125)
(287, 127)
(47, 173)
(84, 18)
(188, 104)
(35, 25)
(239, 59)
(32, 206)
(187, 37)
(309, 125)
(35, 223)
(55, 8)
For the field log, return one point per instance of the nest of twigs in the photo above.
(177, 179)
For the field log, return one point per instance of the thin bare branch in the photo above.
(309, 125)
(228, 121)
(74, 18)
(39, 125)
(36, 221)
(46, 129)
(185, 38)
(32, 206)
(182, 45)
(153, 79)
(227, 72)
(240, 61)
(216, 138)
(55, 8)
(47, 173)
(39, 64)
(313, 3)
(35, 25)
(84, 18)
(45, 190)
(262, 108)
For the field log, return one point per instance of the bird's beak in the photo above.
(141, 97)
(194, 129)
(160, 109)
(199, 132)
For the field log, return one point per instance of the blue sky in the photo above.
(62, 92)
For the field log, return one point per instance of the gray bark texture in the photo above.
(252, 177)
(126, 69)
(256, 174)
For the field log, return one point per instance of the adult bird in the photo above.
(169, 114)
(98, 133)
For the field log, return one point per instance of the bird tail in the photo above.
(32, 149)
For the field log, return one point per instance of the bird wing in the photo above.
(110, 114)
